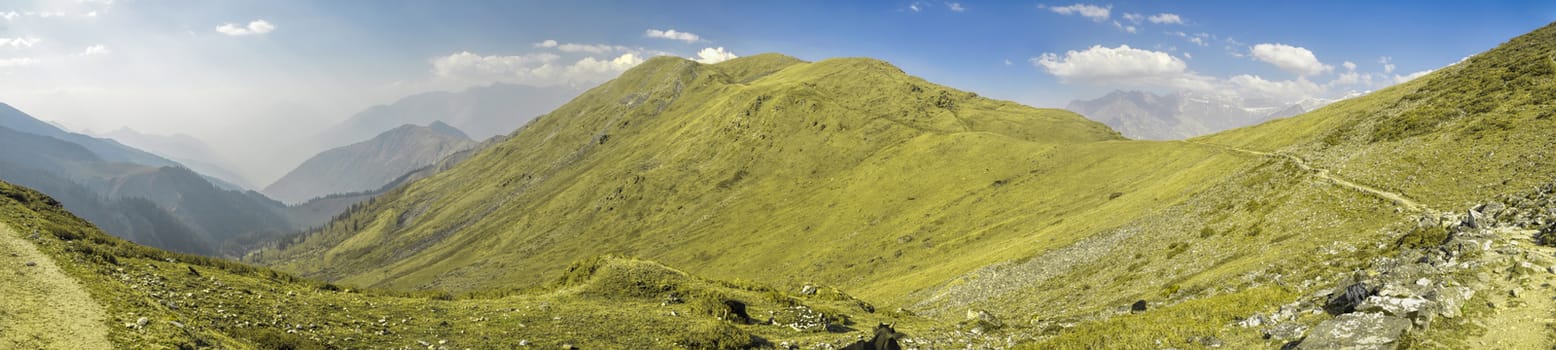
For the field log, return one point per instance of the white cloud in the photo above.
(1349, 66)
(580, 48)
(1134, 17)
(1123, 27)
(914, 7)
(1201, 39)
(591, 70)
(95, 50)
(16, 62)
(256, 27)
(672, 34)
(1290, 58)
(10, 15)
(1007, 62)
(1388, 64)
(1412, 76)
(1165, 18)
(1094, 12)
(1253, 87)
(955, 6)
(714, 55)
(1122, 65)
(19, 42)
(539, 69)
(1188, 55)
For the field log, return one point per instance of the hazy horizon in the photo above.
(254, 79)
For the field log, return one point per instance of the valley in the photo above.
(564, 193)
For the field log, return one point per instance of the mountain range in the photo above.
(1181, 115)
(766, 201)
(133, 193)
(370, 164)
(481, 111)
(187, 151)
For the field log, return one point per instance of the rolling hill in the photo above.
(369, 164)
(75, 287)
(849, 172)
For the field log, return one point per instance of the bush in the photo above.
(1423, 237)
(708, 334)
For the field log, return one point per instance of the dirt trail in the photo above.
(40, 306)
(1524, 321)
(1405, 203)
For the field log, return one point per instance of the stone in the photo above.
(1473, 219)
(1347, 301)
(1403, 307)
(800, 318)
(982, 320)
(1252, 321)
(1491, 209)
(30, 264)
(1138, 306)
(1357, 330)
(1516, 292)
(808, 290)
(1450, 300)
(1285, 331)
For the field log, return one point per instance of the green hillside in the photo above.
(75, 287)
(848, 172)
(854, 194)
(911, 195)
(1468, 131)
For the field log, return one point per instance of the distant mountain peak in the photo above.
(369, 164)
(1183, 114)
(443, 128)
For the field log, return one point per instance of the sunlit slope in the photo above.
(1477, 128)
(763, 167)
(75, 287)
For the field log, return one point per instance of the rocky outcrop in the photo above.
(1377, 307)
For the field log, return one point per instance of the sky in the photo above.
(244, 75)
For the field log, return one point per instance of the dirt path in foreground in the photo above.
(40, 306)
(1523, 321)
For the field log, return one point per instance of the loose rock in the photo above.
(1357, 330)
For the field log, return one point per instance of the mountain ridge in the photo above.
(369, 164)
(1181, 114)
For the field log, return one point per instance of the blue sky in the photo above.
(242, 72)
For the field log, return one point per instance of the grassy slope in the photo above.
(848, 173)
(918, 196)
(187, 300)
(1468, 131)
(803, 174)
(1449, 140)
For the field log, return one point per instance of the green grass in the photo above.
(1469, 131)
(890, 191)
(847, 172)
(604, 302)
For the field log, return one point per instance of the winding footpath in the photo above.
(1405, 203)
(1524, 305)
(40, 306)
